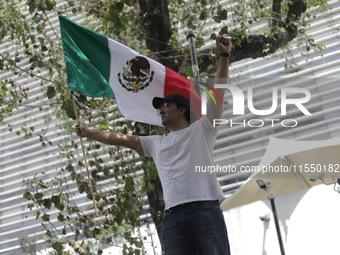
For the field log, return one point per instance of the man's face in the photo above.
(169, 113)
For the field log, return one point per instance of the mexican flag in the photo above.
(98, 66)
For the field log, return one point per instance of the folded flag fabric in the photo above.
(98, 66)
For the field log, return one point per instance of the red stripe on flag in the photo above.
(175, 83)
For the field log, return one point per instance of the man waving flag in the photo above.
(98, 66)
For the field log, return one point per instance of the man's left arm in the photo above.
(221, 77)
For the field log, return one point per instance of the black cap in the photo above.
(176, 98)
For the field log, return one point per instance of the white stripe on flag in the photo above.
(135, 104)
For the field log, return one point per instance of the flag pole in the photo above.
(195, 70)
(85, 160)
(194, 62)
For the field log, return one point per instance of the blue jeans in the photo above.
(195, 228)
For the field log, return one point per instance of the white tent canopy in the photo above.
(303, 159)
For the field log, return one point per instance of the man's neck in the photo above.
(179, 126)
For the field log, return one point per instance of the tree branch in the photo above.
(259, 45)
(28, 72)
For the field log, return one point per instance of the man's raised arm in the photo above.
(110, 137)
(221, 77)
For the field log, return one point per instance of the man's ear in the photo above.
(182, 110)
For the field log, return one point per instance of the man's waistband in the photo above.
(195, 204)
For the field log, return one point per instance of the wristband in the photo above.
(225, 54)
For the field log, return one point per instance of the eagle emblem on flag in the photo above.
(137, 75)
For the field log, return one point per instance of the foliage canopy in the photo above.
(33, 52)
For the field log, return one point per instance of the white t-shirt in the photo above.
(178, 157)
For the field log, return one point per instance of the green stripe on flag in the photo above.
(87, 58)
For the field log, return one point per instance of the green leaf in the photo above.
(59, 247)
(49, 233)
(112, 14)
(50, 5)
(104, 126)
(213, 36)
(55, 199)
(106, 171)
(199, 42)
(47, 203)
(217, 19)
(73, 209)
(224, 30)
(69, 168)
(203, 15)
(32, 6)
(45, 217)
(63, 197)
(42, 185)
(28, 195)
(119, 6)
(74, 176)
(223, 14)
(61, 217)
(187, 52)
(67, 106)
(38, 196)
(9, 109)
(60, 206)
(129, 184)
(4, 88)
(37, 215)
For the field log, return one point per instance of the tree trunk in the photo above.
(157, 30)
(155, 196)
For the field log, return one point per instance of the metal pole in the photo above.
(271, 198)
(194, 62)
(195, 70)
